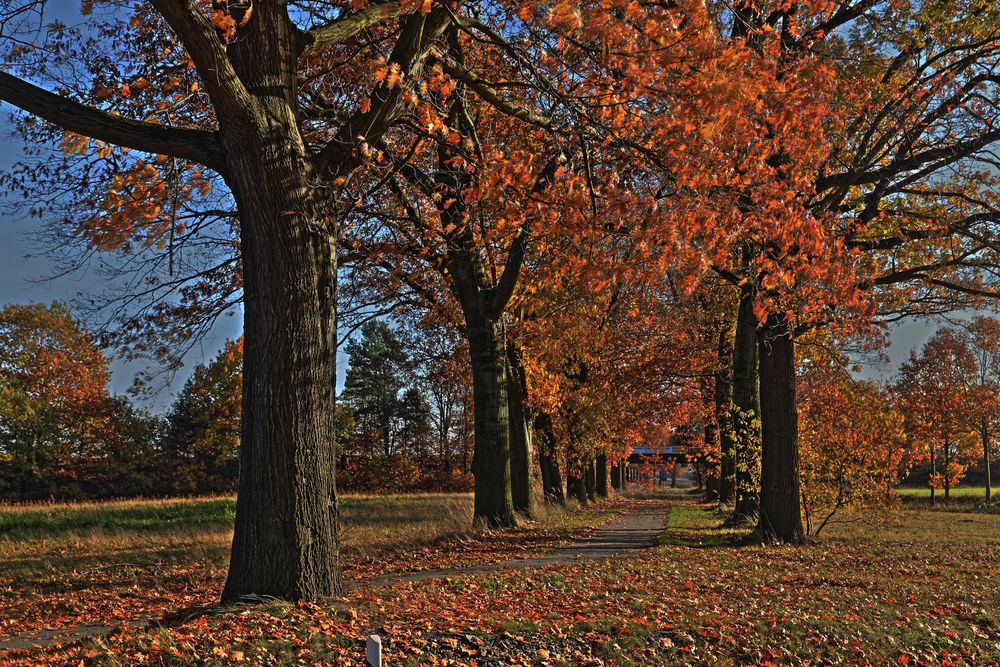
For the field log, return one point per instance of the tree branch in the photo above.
(338, 158)
(200, 39)
(345, 27)
(515, 255)
(199, 146)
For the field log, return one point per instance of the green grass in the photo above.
(956, 492)
(38, 519)
(358, 513)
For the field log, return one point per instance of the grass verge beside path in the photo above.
(957, 492)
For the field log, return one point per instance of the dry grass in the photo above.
(913, 587)
(54, 540)
(72, 563)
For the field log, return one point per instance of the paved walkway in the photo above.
(622, 537)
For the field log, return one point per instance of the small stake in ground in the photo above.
(374, 650)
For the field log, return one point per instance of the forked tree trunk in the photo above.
(552, 483)
(285, 541)
(744, 418)
(780, 499)
(491, 462)
(601, 471)
(521, 478)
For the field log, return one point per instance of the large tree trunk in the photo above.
(491, 461)
(726, 484)
(552, 483)
(780, 500)
(285, 542)
(285, 539)
(617, 481)
(745, 413)
(601, 471)
(576, 485)
(521, 478)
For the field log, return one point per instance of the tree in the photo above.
(376, 378)
(54, 406)
(202, 435)
(852, 444)
(129, 461)
(287, 177)
(415, 423)
(936, 391)
(896, 199)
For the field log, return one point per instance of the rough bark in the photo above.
(616, 477)
(590, 480)
(576, 487)
(780, 498)
(725, 483)
(601, 472)
(491, 461)
(746, 410)
(285, 540)
(521, 477)
(552, 483)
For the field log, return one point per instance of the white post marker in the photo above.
(373, 648)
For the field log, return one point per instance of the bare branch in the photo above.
(199, 146)
(345, 27)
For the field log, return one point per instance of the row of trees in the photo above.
(63, 436)
(949, 393)
(631, 213)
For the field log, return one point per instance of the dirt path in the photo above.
(622, 537)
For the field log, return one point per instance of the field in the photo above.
(105, 563)
(913, 586)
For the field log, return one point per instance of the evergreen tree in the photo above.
(377, 376)
(201, 444)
